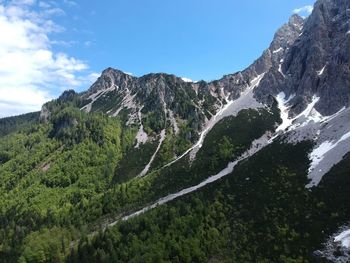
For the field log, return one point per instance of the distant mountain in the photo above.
(253, 167)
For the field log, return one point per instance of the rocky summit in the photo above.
(317, 62)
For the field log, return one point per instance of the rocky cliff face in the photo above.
(282, 41)
(158, 100)
(270, 60)
(317, 63)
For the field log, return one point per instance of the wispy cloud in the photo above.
(70, 2)
(23, 2)
(54, 12)
(31, 72)
(44, 5)
(94, 76)
(88, 43)
(307, 10)
(64, 43)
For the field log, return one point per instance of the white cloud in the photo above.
(94, 76)
(54, 11)
(31, 73)
(304, 10)
(70, 3)
(23, 2)
(63, 43)
(20, 100)
(44, 5)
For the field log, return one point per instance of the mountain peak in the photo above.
(288, 33)
(296, 19)
(116, 72)
(110, 78)
(108, 70)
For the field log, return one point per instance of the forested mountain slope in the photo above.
(13, 124)
(253, 167)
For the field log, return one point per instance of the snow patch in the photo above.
(343, 238)
(277, 50)
(309, 114)
(280, 68)
(320, 72)
(128, 73)
(344, 137)
(284, 109)
(317, 169)
(187, 79)
(337, 247)
(317, 154)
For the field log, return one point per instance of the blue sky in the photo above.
(71, 42)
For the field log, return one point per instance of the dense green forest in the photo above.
(66, 176)
(259, 213)
(13, 124)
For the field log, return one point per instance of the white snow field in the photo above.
(343, 238)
